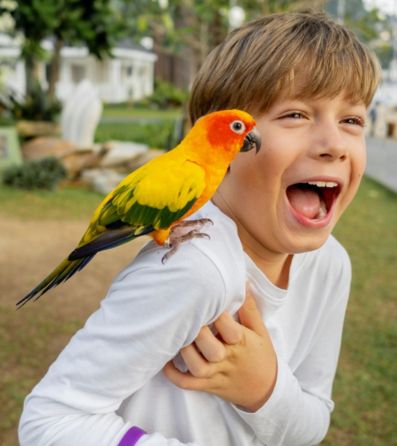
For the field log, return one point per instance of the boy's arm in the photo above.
(242, 370)
(295, 409)
(150, 313)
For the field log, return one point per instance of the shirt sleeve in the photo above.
(298, 410)
(151, 311)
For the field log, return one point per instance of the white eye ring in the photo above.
(238, 127)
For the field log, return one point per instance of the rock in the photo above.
(80, 160)
(144, 158)
(122, 153)
(37, 128)
(75, 160)
(101, 180)
(46, 146)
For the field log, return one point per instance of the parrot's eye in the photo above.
(238, 127)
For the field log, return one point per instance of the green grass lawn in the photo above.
(129, 111)
(365, 389)
(156, 135)
(70, 203)
(366, 384)
(126, 123)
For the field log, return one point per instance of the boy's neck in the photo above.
(277, 271)
(275, 266)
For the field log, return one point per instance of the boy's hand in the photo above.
(239, 365)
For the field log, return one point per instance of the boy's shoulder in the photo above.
(205, 275)
(218, 255)
(334, 251)
(330, 262)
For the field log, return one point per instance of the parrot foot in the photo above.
(199, 223)
(178, 235)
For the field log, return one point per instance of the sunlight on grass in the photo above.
(124, 122)
(365, 390)
(155, 135)
(129, 111)
(65, 203)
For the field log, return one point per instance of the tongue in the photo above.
(305, 201)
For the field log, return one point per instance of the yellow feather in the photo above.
(158, 195)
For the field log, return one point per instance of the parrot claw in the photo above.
(199, 223)
(178, 236)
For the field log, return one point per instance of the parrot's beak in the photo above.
(252, 141)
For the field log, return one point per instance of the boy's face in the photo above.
(288, 197)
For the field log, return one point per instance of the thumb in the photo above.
(250, 316)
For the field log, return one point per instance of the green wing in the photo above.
(157, 196)
(152, 197)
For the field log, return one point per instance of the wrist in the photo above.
(264, 395)
(132, 436)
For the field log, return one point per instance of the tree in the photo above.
(32, 20)
(92, 23)
(368, 24)
(189, 29)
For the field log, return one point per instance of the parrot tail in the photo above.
(61, 273)
(80, 256)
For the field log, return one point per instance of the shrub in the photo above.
(41, 174)
(36, 106)
(167, 95)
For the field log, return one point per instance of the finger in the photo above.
(229, 329)
(184, 380)
(250, 316)
(210, 346)
(195, 362)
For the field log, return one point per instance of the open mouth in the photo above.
(313, 200)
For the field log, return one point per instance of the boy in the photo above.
(308, 82)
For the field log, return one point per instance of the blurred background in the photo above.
(90, 90)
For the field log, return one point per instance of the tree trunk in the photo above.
(31, 74)
(55, 66)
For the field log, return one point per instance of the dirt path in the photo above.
(30, 250)
(31, 338)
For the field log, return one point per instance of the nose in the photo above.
(328, 143)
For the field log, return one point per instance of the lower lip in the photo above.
(309, 222)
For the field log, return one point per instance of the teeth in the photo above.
(323, 210)
(323, 183)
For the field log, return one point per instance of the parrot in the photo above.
(155, 198)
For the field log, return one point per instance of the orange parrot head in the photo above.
(226, 133)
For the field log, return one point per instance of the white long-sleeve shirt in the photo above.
(109, 377)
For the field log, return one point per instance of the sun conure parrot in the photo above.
(157, 196)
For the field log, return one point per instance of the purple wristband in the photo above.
(132, 436)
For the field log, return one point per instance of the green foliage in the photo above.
(384, 51)
(167, 95)
(42, 174)
(93, 23)
(198, 26)
(367, 25)
(35, 106)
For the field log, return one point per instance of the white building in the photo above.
(129, 75)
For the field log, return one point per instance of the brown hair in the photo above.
(304, 54)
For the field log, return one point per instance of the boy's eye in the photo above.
(294, 115)
(355, 120)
